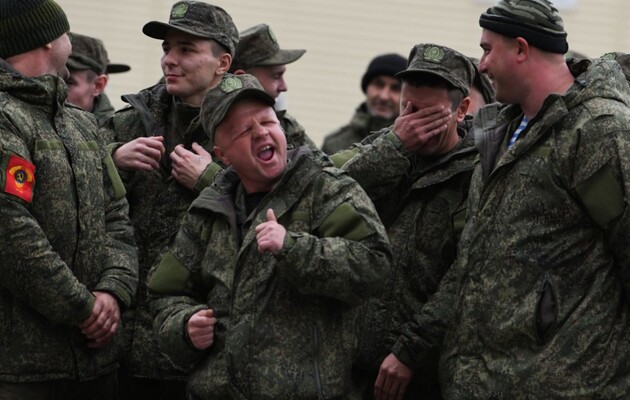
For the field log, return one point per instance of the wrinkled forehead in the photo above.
(241, 114)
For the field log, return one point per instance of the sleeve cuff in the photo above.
(402, 353)
(207, 176)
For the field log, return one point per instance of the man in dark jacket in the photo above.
(381, 105)
(537, 304)
(163, 154)
(417, 172)
(258, 291)
(259, 54)
(69, 264)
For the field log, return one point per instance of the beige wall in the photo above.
(340, 37)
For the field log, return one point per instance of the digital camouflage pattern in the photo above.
(294, 131)
(103, 109)
(200, 19)
(440, 61)
(360, 127)
(537, 305)
(285, 323)
(258, 46)
(157, 202)
(73, 238)
(90, 53)
(423, 205)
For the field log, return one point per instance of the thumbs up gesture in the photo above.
(270, 235)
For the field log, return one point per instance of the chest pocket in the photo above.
(535, 175)
(298, 221)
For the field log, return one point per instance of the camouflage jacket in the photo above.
(72, 238)
(360, 127)
(103, 109)
(157, 203)
(422, 201)
(537, 305)
(285, 323)
(296, 136)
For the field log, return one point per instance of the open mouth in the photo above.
(266, 153)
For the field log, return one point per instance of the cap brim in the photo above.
(410, 72)
(77, 65)
(117, 68)
(249, 93)
(283, 57)
(158, 30)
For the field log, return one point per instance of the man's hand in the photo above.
(189, 165)
(415, 128)
(393, 379)
(101, 325)
(141, 154)
(200, 328)
(270, 235)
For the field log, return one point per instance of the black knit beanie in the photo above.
(386, 64)
(537, 21)
(28, 24)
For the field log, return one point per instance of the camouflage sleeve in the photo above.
(378, 164)
(347, 256)
(207, 176)
(175, 295)
(120, 264)
(600, 176)
(296, 135)
(420, 339)
(31, 270)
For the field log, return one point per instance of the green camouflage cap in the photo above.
(446, 63)
(623, 59)
(258, 46)
(198, 19)
(89, 53)
(220, 98)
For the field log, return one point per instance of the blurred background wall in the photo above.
(341, 37)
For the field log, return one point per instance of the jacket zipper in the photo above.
(318, 378)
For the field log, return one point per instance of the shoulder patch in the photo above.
(19, 178)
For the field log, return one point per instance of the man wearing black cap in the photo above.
(537, 304)
(381, 106)
(89, 68)
(163, 152)
(69, 264)
(259, 289)
(259, 54)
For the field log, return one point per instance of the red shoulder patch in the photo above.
(19, 178)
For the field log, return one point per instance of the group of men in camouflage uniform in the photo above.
(441, 257)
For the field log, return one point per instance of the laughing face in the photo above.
(251, 140)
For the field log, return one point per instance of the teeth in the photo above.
(268, 147)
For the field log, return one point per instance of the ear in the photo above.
(522, 48)
(239, 72)
(222, 155)
(99, 84)
(225, 62)
(462, 109)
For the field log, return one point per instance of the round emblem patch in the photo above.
(434, 54)
(231, 84)
(179, 10)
